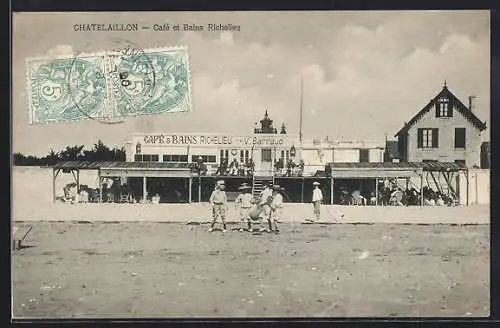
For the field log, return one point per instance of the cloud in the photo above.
(227, 38)
(64, 49)
(363, 76)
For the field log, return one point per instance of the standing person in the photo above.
(266, 197)
(244, 202)
(218, 200)
(276, 204)
(317, 199)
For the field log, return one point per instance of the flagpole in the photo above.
(301, 100)
(300, 120)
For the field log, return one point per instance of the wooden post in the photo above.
(302, 191)
(144, 188)
(407, 182)
(199, 189)
(77, 180)
(467, 187)
(54, 185)
(475, 184)
(331, 191)
(77, 196)
(190, 191)
(100, 186)
(376, 191)
(422, 189)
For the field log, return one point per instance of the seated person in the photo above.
(155, 199)
(373, 199)
(84, 196)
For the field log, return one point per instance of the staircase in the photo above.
(259, 181)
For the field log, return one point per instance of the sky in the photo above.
(364, 73)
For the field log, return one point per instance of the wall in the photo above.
(479, 187)
(446, 151)
(346, 155)
(34, 184)
(32, 187)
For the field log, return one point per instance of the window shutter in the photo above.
(460, 137)
(420, 138)
(437, 108)
(435, 138)
(450, 109)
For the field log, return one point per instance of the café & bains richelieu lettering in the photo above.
(173, 139)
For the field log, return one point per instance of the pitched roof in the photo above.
(462, 109)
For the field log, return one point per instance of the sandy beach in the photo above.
(90, 270)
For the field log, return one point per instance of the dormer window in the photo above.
(443, 108)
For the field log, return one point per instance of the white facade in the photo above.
(264, 149)
(446, 151)
(445, 130)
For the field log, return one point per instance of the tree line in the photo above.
(99, 152)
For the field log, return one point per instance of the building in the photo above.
(445, 130)
(391, 151)
(485, 155)
(267, 155)
(264, 148)
(181, 167)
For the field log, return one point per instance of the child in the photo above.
(218, 200)
(276, 204)
(266, 197)
(244, 201)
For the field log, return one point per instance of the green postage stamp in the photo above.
(109, 85)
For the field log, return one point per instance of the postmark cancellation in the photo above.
(110, 84)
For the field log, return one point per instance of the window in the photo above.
(285, 155)
(460, 138)
(266, 155)
(175, 158)
(150, 158)
(443, 108)
(224, 153)
(427, 138)
(205, 158)
(146, 158)
(364, 155)
(244, 156)
(460, 161)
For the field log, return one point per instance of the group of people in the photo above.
(267, 207)
(235, 168)
(289, 168)
(394, 196)
(251, 210)
(437, 198)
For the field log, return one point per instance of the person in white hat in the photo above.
(244, 202)
(218, 200)
(317, 199)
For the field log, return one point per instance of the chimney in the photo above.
(471, 104)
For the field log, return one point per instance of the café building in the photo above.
(258, 156)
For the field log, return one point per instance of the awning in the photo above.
(390, 169)
(130, 169)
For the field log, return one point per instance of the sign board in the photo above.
(217, 140)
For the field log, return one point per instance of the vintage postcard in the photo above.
(308, 164)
